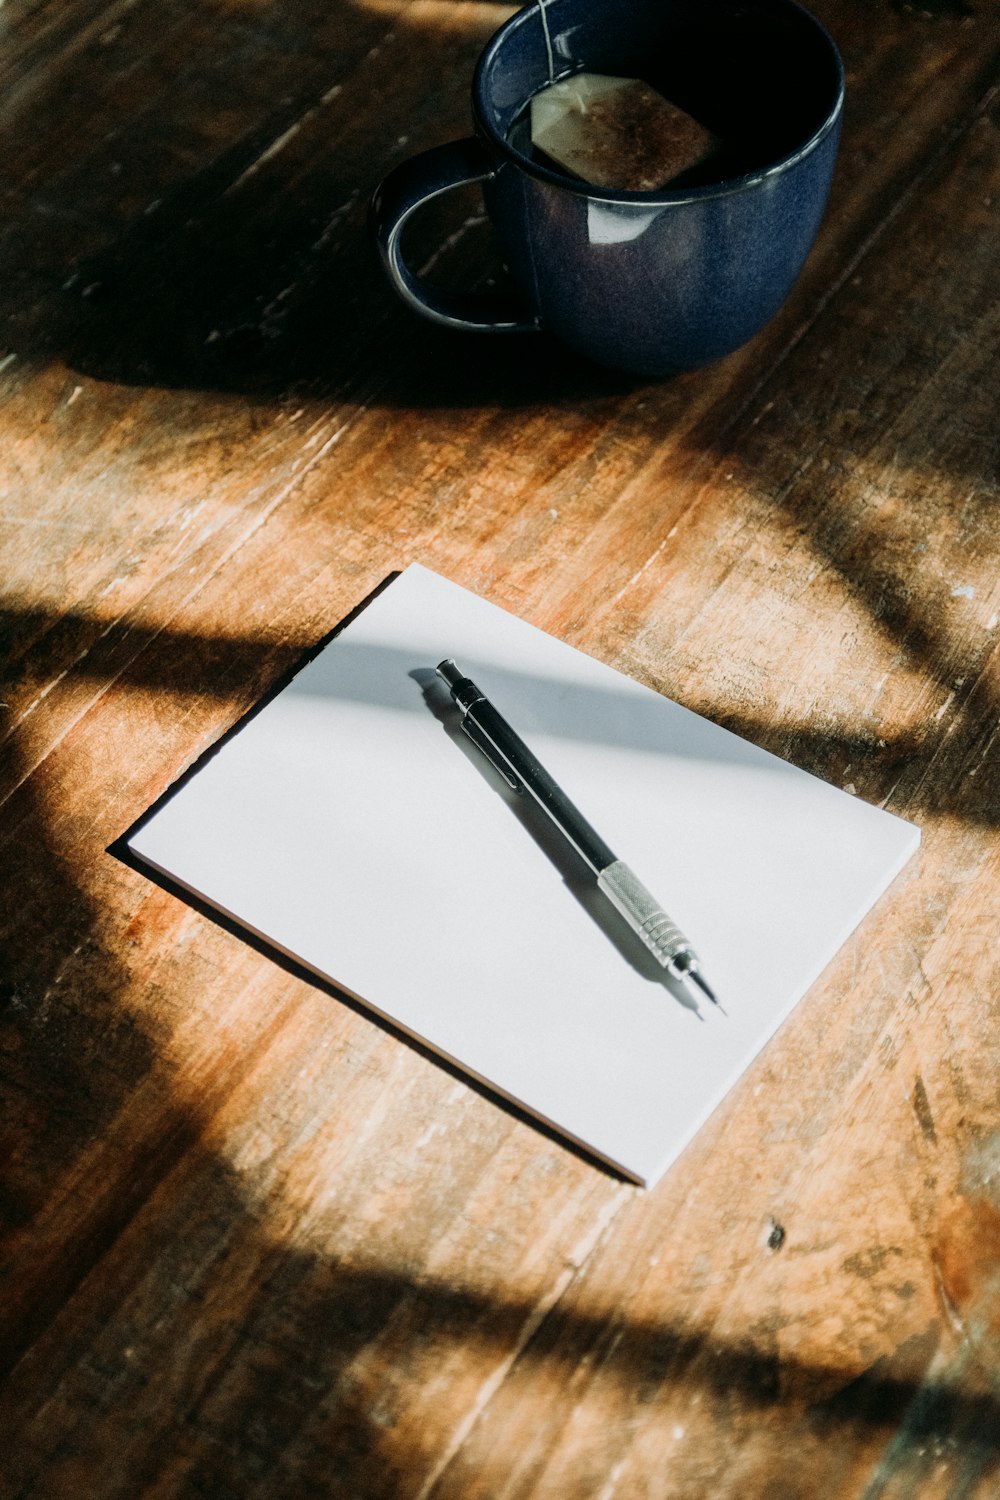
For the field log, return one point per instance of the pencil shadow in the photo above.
(576, 875)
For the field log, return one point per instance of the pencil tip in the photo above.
(707, 989)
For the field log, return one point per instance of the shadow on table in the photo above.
(251, 284)
(183, 310)
(302, 1366)
(229, 1363)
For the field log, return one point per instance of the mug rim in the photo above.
(656, 197)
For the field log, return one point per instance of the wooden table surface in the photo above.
(255, 1244)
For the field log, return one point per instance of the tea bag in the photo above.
(617, 132)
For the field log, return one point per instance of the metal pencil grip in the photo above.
(644, 914)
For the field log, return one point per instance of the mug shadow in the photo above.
(575, 874)
(250, 272)
(176, 308)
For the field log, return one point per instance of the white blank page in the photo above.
(352, 825)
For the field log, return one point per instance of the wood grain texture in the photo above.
(254, 1244)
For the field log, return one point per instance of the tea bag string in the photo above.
(543, 6)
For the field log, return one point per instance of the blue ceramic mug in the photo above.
(650, 282)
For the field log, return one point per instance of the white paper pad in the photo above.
(352, 825)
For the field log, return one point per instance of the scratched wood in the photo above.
(253, 1243)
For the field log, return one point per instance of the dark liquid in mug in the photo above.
(721, 164)
(739, 80)
(749, 151)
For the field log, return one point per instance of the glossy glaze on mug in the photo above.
(666, 281)
(649, 282)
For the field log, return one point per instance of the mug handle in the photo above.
(409, 186)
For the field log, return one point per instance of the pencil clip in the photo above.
(487, 748)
